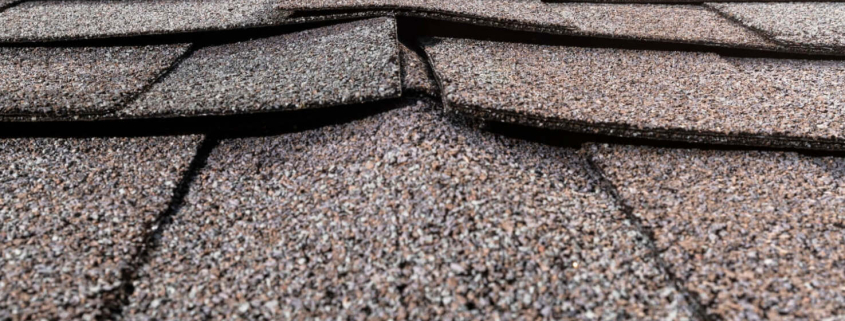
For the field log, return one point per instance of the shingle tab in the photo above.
(675, 23)
(334, 65)
(54, 81)
(85, 19)
(690, 96)
(819, 25)
(402, 215)
(757, 235)
(72, 214)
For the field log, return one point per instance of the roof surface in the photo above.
(421, 159)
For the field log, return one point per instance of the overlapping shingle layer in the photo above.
(73, 213)
(47, 20)
(67, 81)
(401, 215)
(413, 210)
(636, 93)
(757, 235)
(339, 64)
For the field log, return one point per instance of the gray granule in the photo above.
(78, 80)
(757, 235)
(416, 76)
(404, 215)
(805, 24)
(334, 65)
(86, 19)
(653, 92)
(73, 213)
(676, 23)
(532, 12)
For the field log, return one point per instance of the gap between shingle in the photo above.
(115, 300)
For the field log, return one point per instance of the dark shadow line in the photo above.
(116, 300)
(237, 125)
(699, 310)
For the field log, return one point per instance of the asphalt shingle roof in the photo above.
(57, 81)
(340, 64)
(402, 214)
(73, 214)
(755, 234)
(638, 93)
(421, 159)
(802, 24)
(49, 20)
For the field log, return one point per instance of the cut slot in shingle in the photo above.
(518, 14)
(688, 96)
(335, 65)
(73, 213)
(818, 25)
(416, 77)
(86, 19)
(403, 215)
(673, 23)
(56, 81)
(756, 235)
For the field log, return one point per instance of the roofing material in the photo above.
(50, 20)
(339, 64)
(73, 214)
(691, 96)
(400, 215)
(818, 25)
(755, 234)
(68, 81)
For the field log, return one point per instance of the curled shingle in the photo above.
(689, 96)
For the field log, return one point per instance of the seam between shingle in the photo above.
(757, 31)
(699, 310)
(115, 300)
(10, 5)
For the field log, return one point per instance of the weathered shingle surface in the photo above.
(72, 215)
(519, 14)
(675, 23)
(803, 24)
(339, 64)
(415, 74)
(84, 19)
(757, 235)
(660, 94)
(401, 215)
(57, 81)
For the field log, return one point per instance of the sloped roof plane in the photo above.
(414, 159)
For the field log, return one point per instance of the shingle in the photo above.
(5, 3)
(72, 214)
(757, 235)
(676, 23)
(803, 24)
(404, 215)
(78, 80)
(690, 96)
(85, 19)
(415, 74)
(518, 14)
(334, 65)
